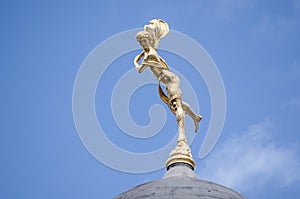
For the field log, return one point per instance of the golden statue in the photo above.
(149, 39)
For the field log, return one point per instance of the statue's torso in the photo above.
(154, 63)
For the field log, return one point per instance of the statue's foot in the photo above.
(197, 119)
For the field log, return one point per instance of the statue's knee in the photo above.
(186, 105)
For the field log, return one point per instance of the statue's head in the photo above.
(145, 39)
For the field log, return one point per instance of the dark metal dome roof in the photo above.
(180, 182)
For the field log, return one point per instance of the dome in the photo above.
(180, 182)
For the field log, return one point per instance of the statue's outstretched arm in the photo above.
(139, 67)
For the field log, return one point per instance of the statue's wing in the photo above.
(158, 28)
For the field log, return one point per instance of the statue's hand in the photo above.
(140, 68)
(137, 66)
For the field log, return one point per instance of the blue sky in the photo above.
(255, 44)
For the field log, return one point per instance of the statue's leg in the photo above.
(177, 104)
(172, 83)
(188, 110)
